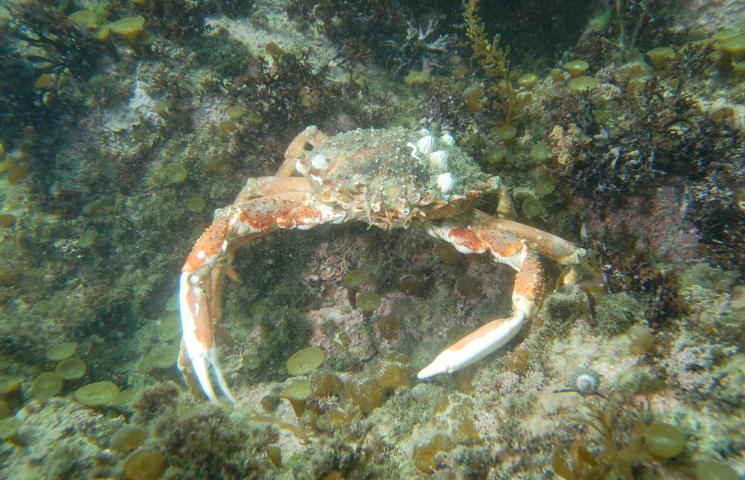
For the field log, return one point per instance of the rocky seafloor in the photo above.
(618, 125)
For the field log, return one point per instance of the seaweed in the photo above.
(613, 457)
(176, 18)
(633, 270)
(494, 61)
(62, 45)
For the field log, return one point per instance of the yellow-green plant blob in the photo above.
(169, 328)
(4, 409)
(161, 356)
(145, 464)
(661, 57)
(196, 204)
(97, 394)
(61, 351)
(46, 385)
(176, 174)
(354, 279)
(102, 33)
(128, 438)
(540, 152)
(236, 112)
(305, 361)
(128, 27)
(528, 80)
(86, 19)
(8, 428)
(734, 45)
(532, 207)
(581, 84)
(664, 440)
(506, 132)
(71, 368)
(544, 186)
(125, 399)
(577, 67)
(368, 301)
(298, 389)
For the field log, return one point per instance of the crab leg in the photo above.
(201, 278)
(498, 237)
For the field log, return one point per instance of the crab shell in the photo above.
(389, 177)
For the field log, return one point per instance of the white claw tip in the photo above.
(443, 363)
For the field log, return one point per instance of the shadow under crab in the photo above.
(390, 178)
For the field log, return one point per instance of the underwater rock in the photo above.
(658, 218)
(342, 334)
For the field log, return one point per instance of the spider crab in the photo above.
(388, 178)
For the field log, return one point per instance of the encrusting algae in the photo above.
(126, 128)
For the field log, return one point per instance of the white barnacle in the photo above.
(426, 144)
(447, 139)
(438, 160)
(445, 182)
(319, 162)
(300, 168)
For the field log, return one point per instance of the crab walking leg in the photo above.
(201, 278)
(527, 292)
(547, 244)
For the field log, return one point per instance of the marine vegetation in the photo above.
(127, 126)
(649, 444)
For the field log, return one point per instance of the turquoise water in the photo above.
(572, 173)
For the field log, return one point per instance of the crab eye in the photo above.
(308, 147)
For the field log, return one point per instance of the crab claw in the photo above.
(199, 307)
(474, 346)
(199, 340)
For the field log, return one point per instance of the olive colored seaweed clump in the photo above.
(649, 445)
(46, 385)
(97, 394)
(305, 361)
(61, 351)
(145, 464)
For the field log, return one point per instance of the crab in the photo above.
(388, 178)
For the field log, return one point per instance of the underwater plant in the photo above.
(64, 46)
(616, 454)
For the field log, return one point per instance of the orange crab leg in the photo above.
(201, 278)
(501, 240)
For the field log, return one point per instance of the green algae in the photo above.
(46, 385)
(305, 361)
(9, 427)
(128, 438)
(145, 464)
(97, 394)
(71, 368)
(61, 351)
